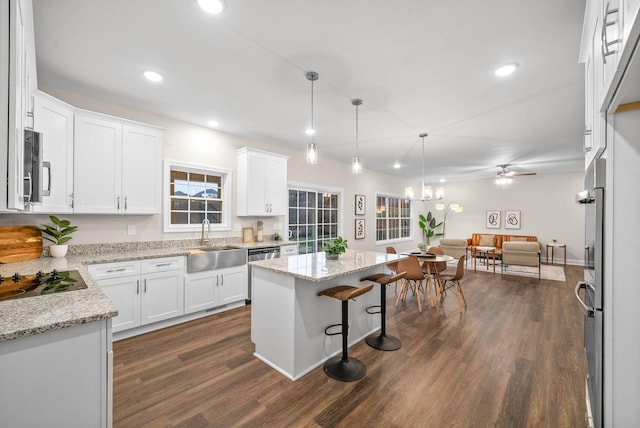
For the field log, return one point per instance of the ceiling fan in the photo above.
(504, 176)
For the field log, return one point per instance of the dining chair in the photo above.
(454, 280)
(413, 280)
(393, 267)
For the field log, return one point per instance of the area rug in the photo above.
(553, 273)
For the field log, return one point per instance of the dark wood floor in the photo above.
(513, 359)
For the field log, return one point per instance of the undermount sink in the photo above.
(201, 259)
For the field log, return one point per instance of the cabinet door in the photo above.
(54, 119)
(233, 284)
(17, 106)
(276, 180)
(257, 197)
(201, 291)
(162, 296)
(125, 295)
(97, 165)
(141, 170)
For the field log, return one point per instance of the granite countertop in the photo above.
(34, 315)
(315, 267)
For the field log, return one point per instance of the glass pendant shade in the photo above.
(427, 193)
(312, 154)
(439, 192)
(409, 193)
(356, 166)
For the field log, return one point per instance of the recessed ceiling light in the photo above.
(396, 165)
(309, 131)
(211, 6)
(506, 69)
(213, 123)
(442, 180)
(153, 76)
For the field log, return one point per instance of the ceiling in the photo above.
(418, 66)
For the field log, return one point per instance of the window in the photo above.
(313, 218)
(393, 218)
(196, 192)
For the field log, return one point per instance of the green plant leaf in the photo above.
(421, 217)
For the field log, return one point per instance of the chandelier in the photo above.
(426, 191)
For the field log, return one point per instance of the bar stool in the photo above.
(344, 368)
(382, 341)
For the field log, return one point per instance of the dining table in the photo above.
(430, 261)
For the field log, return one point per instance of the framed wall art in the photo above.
(493, 219)
(247, 234)
(360, 228)
(512, 219)
(360, 204)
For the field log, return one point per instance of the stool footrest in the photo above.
(375, 309)
(334, 333)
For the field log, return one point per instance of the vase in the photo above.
(58, 250)
(332, 256)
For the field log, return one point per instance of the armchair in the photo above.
(521, 253)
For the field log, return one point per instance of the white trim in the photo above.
(227, 195)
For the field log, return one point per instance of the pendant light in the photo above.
(426, 192)
(312, 149)
(356, 165)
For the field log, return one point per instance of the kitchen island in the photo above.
(288, 319)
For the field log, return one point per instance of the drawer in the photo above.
(162, 264)
(288, 250)
(114, 270)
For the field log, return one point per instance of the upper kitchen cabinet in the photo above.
(54, 120)
(117, 166)
(17, 47)
(262, 183)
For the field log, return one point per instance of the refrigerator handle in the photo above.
(580, 285)
(47, 165)
(586, 256)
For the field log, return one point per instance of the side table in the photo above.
(553, 246)
(486, 251)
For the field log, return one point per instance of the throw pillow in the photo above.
(487, 241)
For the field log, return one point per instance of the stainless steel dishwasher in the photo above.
(263, 253)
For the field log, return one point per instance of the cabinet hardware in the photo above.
(47, 165)
(145, 285)
(217, 280)
(118, 208)
(163, 264)
(137, 286)
(71, 195)
(222, 281)
(29, 179)
(116, 270)
(125, 203)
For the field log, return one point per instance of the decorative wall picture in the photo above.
(360, 204)
(247, 234)
(493, 219)
(359, 228)
(512, 219)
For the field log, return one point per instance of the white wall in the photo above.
(546, 202)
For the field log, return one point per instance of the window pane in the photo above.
(179, 218)
(179, 204)
(201, 197)
(197, 205)
(293, 198)
(293, 216)
(196, 217)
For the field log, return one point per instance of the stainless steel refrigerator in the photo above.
(593, 200)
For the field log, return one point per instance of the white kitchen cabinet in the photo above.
(117, 166)
(209, 289)
(54, 119)
(144, 291)
(18, 52)
(59, 378)
(262, 183)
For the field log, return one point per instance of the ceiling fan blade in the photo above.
(524, 173)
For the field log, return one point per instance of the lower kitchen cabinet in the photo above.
(59, 378)
(209, 289)
(144, 291)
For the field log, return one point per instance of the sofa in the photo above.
(521, 253)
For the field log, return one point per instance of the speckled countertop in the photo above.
(316, 267)
(34, 315)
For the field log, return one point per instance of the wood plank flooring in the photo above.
(513, 359)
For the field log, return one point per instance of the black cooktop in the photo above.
(19, 286)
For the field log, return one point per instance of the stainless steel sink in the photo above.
(216, 257)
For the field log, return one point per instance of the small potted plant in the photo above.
(334, 248)
(422, 246)
(59, 233)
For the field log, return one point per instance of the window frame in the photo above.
(226, 195)
(318, 189)
(411, 219)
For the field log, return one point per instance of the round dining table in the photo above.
(431, 261)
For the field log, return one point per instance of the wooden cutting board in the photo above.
(18, 243)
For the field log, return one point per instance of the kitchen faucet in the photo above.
(202, 240)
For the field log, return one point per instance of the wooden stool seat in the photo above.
(344, 368)
(382, 341)
(345, 292)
